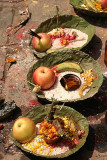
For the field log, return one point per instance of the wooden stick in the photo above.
(34, 34)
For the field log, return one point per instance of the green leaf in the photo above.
(38, 114)
(78, 4)
(65, 21)
(59, 56)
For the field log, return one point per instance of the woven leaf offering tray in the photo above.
(89, 7)
(67, 31)
(65, 63)
(65, 146)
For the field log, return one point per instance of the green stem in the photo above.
(31, 83)
(57, 15)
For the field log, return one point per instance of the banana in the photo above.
(68, 66)
(50, 50)
(89, 4)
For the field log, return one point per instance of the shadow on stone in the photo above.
(12, 116)
(96, 21)
(101, 136)
(17, 113)
(85, 107)
(94, 50)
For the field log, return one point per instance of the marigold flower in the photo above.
(10, 60)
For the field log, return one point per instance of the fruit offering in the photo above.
(55, 134)
(103, 4)
(44, 77)
(24, 129)
(65, 38)
(96, 5)
(41, 41)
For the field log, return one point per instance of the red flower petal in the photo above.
(95, 77)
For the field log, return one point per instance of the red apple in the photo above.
(42, 44)
(44, 77)
(23, 129)
(103, 3)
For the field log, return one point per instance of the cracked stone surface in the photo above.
(13, 85)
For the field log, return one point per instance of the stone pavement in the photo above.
(13, 79)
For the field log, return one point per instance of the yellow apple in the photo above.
(43, 43)
(23, 129)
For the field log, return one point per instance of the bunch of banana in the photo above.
(90, 5)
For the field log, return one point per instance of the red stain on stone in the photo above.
(33, 102)
(25, 90)
(8, 32)
(17, 69)
(11, 86)
(2, 79)
(19, 36)
(32, 27)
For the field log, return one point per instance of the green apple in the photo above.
(23, 129)
(43, 43)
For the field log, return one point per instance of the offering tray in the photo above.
(65, 21)
(80, 6)
(80, 58)
(38, 114)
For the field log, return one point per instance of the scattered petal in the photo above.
(45, 6)
(11, 86)
(10, 60)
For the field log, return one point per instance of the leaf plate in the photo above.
(64, 21)
(77, 4)
(38, 114)
(62, 55)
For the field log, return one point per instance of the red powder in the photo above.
(11, 86)
(19, 36)
(25, 90)
(95, 78)
(32, 27)
(33, 102)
